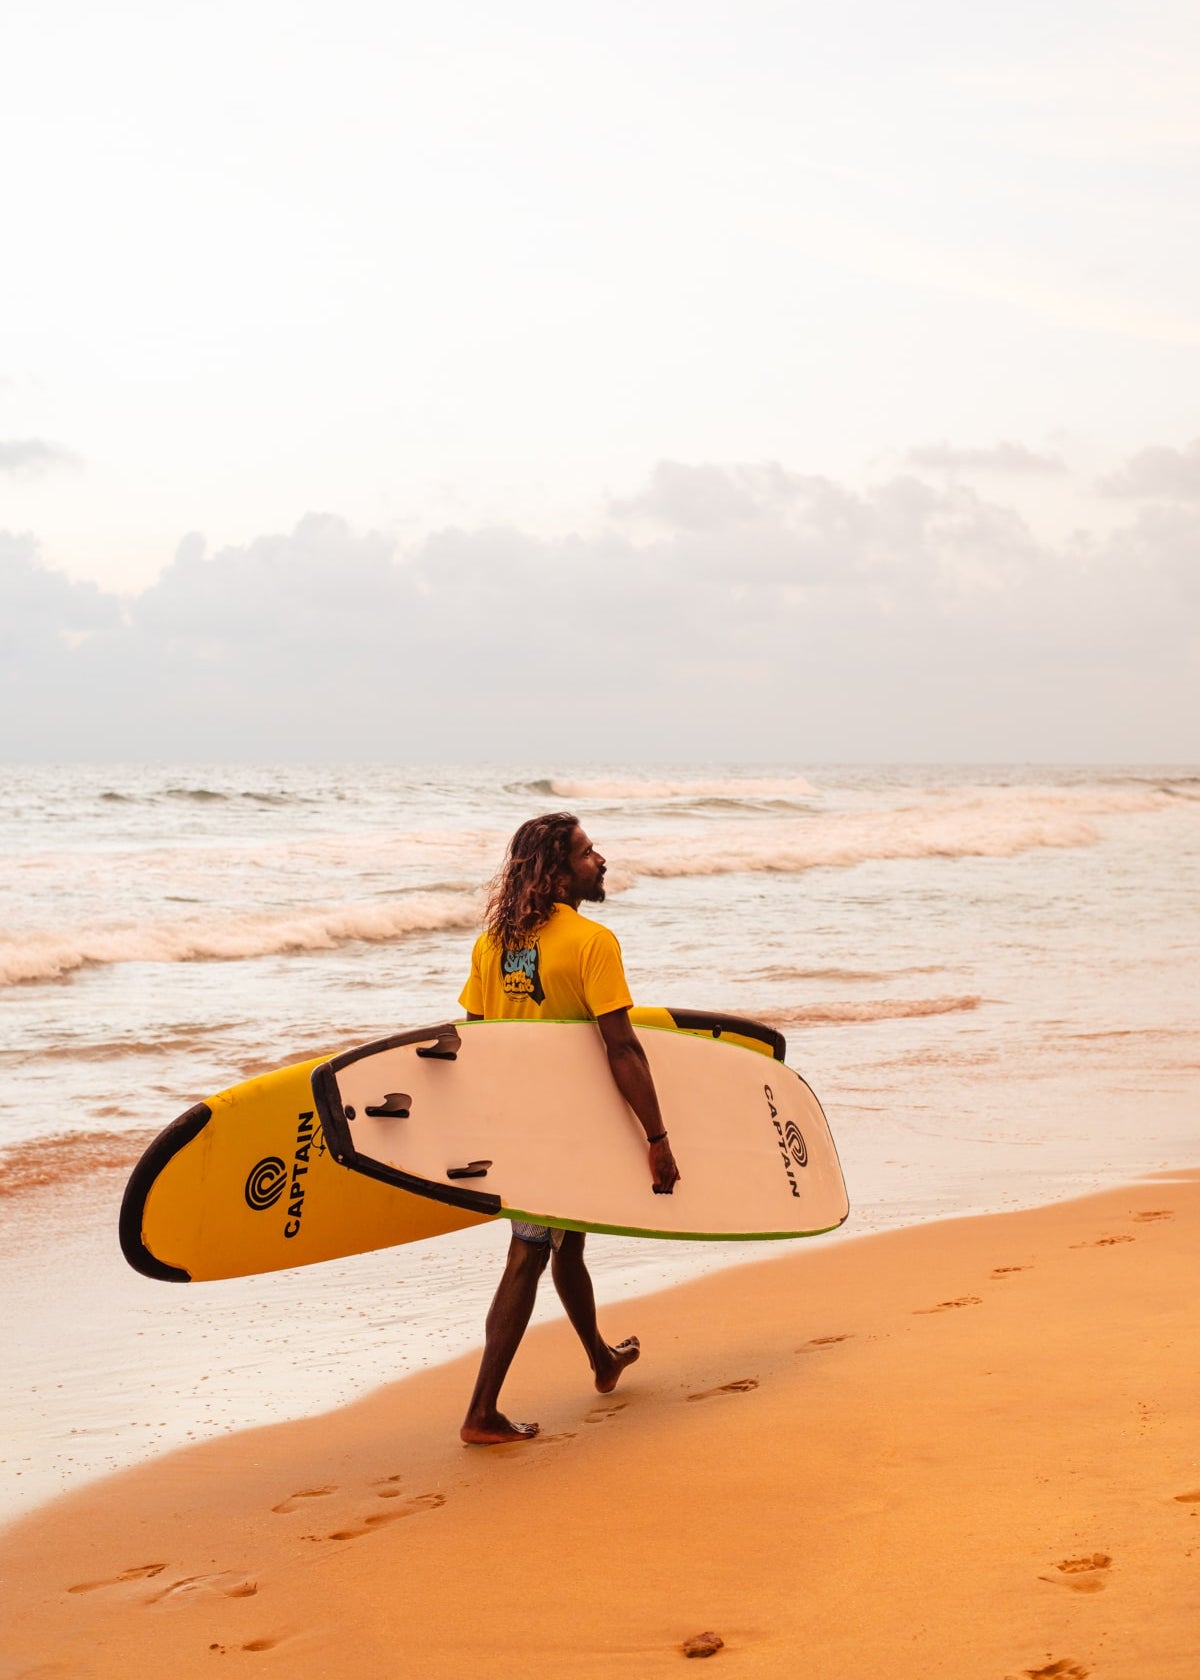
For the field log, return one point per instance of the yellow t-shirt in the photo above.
(572, 972)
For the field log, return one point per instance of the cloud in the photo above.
(32, 457)
(1158, 473)
(705, 497)
(1003, 458)
(764, 527)
(313, 586)
(43, 611)
(726, 612)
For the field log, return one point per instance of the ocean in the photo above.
(990, 976)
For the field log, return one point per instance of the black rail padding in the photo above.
(329, 1108)
(474, 1201)
(341, 1145)
(705, 1021)
(133, 1204)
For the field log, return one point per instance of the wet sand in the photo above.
(962, 1449)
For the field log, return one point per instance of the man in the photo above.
(539, 959)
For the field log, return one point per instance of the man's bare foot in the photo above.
(608, 1371)
(494, 1431)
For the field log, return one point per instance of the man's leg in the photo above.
(574, 1285)
(507, 1319)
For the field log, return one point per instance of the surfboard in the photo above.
(245, 1182)
(524, 1119)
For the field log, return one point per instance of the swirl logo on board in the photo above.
(794, 1138)
(265, 1182)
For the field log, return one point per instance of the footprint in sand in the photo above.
(267, 1643)
(945, 1306)
(1081, 1574)
(1188, 1498)
(740, 1385)
(1063, 1669)
(1006, 1271)
(291, 1503)
(825, 1341)
(599, 1413)
(376, 1519)
(1103, 1242)
(228, 1583)
(1155, 1213)
(136, 1572)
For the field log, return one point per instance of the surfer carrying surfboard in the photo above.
(539, 959)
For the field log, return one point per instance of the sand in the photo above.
(965, 1449)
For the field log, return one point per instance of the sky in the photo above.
(763, 382)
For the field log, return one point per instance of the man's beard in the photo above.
(595, 893)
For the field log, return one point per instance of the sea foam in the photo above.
(983, 826)
(55, 956)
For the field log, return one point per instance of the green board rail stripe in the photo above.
(598, 1229)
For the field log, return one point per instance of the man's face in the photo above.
(585, 867)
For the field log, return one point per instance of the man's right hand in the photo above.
(663, 1172)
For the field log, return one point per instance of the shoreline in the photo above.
(910, 1447)
(109, 1369)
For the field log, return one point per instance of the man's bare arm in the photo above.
(635, 1082)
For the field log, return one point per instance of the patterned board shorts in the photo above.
(536, 1233)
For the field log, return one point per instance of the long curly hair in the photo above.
(527, 887)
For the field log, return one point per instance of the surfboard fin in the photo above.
(396, 1105)
(447, 1046)
(473, 1169)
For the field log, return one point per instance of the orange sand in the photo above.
(968, 1449)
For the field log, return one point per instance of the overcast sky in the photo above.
(696, 380)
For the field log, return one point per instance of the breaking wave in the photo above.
(732, 788)
(206, 796)
(447, 870)
(979, 827)
(780, 971)
(875, 1009)
(41, 957)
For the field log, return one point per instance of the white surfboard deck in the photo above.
(523, 1119)
(243, 1182)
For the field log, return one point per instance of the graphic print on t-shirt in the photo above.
(522, 977)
